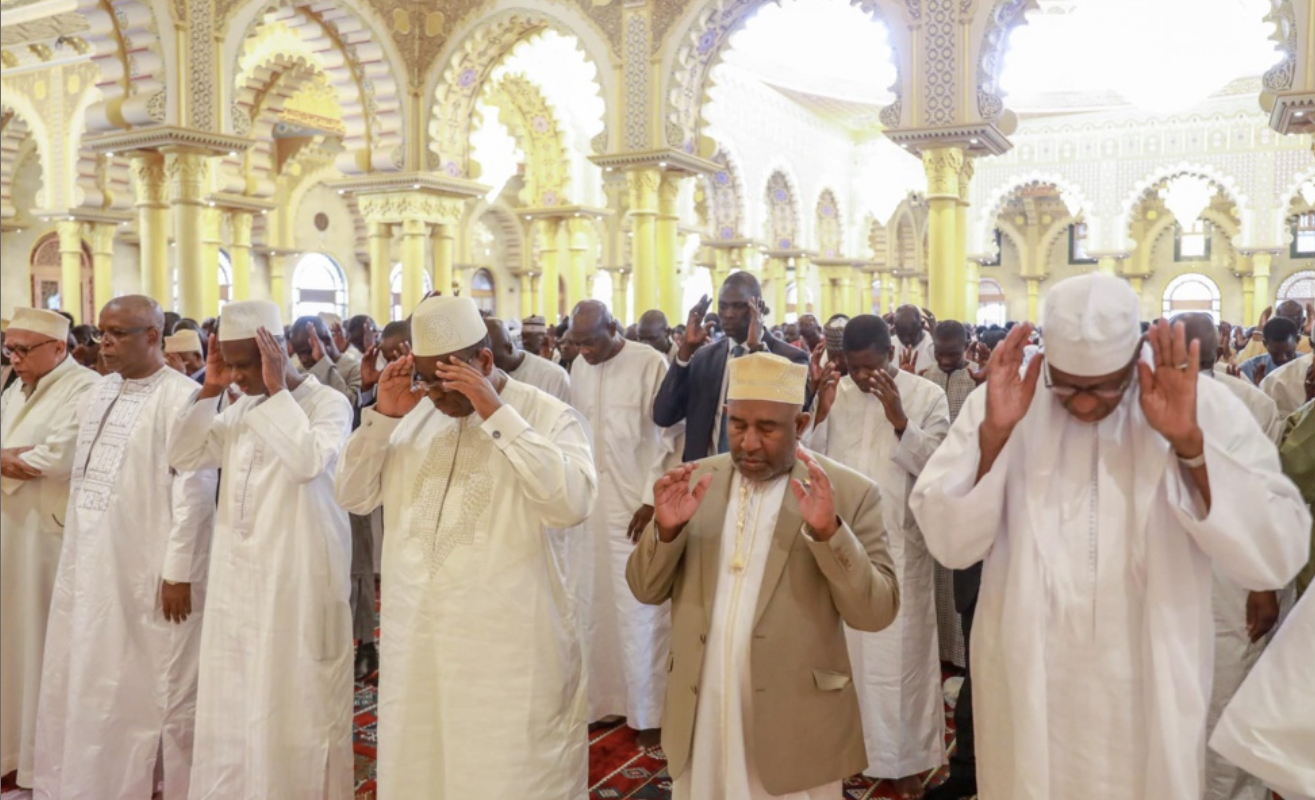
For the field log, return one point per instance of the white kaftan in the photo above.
(1093, 637)
(897, 671)
(1287, 385)
(132, 522)
(31, 530)
(625, 641)
(925, 350)
(1262, 407)
(722, 762)
(274, 700)
(1269, 728)
(480, 655)
(548, 376)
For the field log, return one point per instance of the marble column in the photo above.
(152, 203)
(550, 271)
(414, 233)
(943, 166)
(239, 255)
(579, 266)
(102, 266)
(381, 290)
(443, 244)
(70, 269)
(666, 235)
(643, 242)
(212, 220)
(1260, 264)
(966, 298)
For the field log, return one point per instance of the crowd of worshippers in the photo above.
(757, 545)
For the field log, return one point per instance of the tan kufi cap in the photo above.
(4, 325)
(1091, 325)
(184, 341)
(442, 325)
(765, 376)
(39, 320)
(241, 320)
(331, 318)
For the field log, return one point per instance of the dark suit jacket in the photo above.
(966, 584)
(692, 393)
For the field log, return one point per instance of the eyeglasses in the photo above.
(435, 384)
(20, 351)
(117, 333)
(1102, 393)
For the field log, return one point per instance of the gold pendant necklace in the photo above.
(740, 561)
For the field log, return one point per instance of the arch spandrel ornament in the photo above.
(782, 223)
(830, 232)
(531, 121)
(727, 197)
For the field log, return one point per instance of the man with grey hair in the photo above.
(1099, 505)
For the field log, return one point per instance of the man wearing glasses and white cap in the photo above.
(1099, 503)
(38, 428)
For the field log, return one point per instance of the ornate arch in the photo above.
(706, 28)
(14, 135)
(463, 67)
(909, 250)
(781, 226)
(829, 232)
(357, 56)
(1003, 17)
(137, 66)
(21, 117)
(1074, 198)
(878, 241)
(529, 118)
(1123, 222)
(504, 223)
(727, 192)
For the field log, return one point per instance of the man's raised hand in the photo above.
(675, 501)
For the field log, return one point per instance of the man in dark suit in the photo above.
(695, 386)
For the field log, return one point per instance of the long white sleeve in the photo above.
(197, 439)
(556, 470)
(192, 497)
(359, 482)
(54, 455)
(923, 436)
(305, 446)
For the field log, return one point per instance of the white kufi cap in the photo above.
(443, 325)
(1091, 325)
(39, 320)
(185, 340)
(242, 319)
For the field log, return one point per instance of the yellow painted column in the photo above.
(643, 185)
(187, 172)
(666, 235)
(102, 264)
(152, 203)
(577, 275)
(1260, 263)
(527, 294)
(1250, 316)
(961, 266)
(1107, 265)
(971, 291)
(239, 254)
(70, 269)
(943, 166)
(1033, 299)
(889, 292)
(549, 274)
(444, 247)
(211, 238)
(278, 285)
(381, 290)
(414, 233)
(777, 276)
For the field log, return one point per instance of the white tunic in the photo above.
(274, 703)
(897, 671)
(1262, 407)
(722, 762)
(625, 641)
(545, 375)
(1093, 639)
(1269, 728)
(925, 350)
(31, 527)
(1287, 385)
(132, 522)
(479, 657)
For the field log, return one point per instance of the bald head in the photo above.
(505, 356)
(594, 332)
(139, 308)
(1201, 328)
(908, 325)
(132, 329)
(1292, 310)
(654, 331)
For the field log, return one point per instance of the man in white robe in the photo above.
(1098, 504)
(613, 386)
(38, 429)
(131, 582)
(538, 372)
(274, 699)
(885, 423)
(481, 691)
(1287, 384)
(917, 349)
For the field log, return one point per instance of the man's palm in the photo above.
(1009, 393)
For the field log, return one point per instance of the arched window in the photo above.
(395, 287)
(991, 307)
(1299, 286)
(1191, 292)
(225, 278)
(1192, 244)
(483, 290)
(318, 284)
(48, 279)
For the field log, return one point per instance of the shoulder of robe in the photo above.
(533, 403)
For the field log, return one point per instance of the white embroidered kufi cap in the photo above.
(39, 320)
(185, 340)
(241, 320)
(443, 325)
(1091, 325)
(767, 376)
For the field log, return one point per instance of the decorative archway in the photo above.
(1070, 193)
(1221, 180)
(727, 205)
(137, 67)
(782, 224)
(14, 140)
(46, 270)
(534, 126)
(829, 233)
(1299, 286)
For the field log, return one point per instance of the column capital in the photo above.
(149, 183)
(102, 237)
(396, 207)
(643, 185)
(187, 173)
(239, 222)
(943, 166)
(965, 179)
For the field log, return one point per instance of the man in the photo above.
(534, 337)
(695, 385)
(1286, 385)
(885, 423)
(86, 348)
(393, 343)
(274, 699)
(362, 333)
(482, 657)
(524, 366)
(336, 331)
(916, 351)
(1297, 453)
(1098, 505)
(834, 336)
(614, 388)
(764, 552)
(184, 353)
(1288, 309)
(311, 342)
(790, 333)
(810, 332)
(654, 332)
(566, 351)
(38, 429)
(1281, 336)
(131, 582)
(1242, 620)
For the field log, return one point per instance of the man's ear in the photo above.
(485, 359)
(801, 423)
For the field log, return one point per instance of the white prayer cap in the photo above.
(185, 340)
(331, 318)
(767, 376)
(241, 320)
(442, 325)
(1091, 325)
(39, 320)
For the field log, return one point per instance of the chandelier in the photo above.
(1187, 197)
